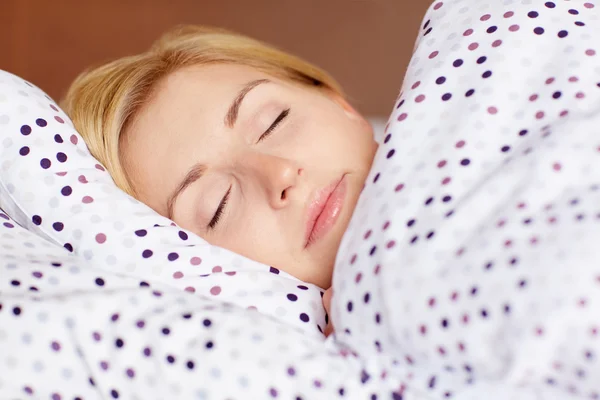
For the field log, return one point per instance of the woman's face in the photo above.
(266, 168)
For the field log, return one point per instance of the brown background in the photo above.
(365, 44)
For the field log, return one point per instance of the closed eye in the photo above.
(277, 121)
(215, 220)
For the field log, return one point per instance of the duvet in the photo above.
(470, 268)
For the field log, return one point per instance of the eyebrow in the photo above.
(198, 169)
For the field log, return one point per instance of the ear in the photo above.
(348, 109)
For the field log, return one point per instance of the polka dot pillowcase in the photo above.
(52, 186)
(472, 258)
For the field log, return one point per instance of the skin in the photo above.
(271, 182)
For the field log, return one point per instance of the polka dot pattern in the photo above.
(471, 261)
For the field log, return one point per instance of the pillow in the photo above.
(52, 186)
(471, 263)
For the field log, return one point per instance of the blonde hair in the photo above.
(102, 101)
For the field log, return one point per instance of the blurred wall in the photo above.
(364, 44)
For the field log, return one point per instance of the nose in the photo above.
(278, 176)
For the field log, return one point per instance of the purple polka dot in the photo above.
(390, 153)
(141, 232)
(172, 256)
(572, 11)
(24, 150)
(274, 270)
(550, 4)
(183, 235)
(25, 130)
(292, 297)
(58, 138)
(45, 163)
(304, 317)
(457, 63)
(41, 122)
(563, 34)
(61, 157)
(533, 14)
(147, 253)
(447, 96)
(58, 226)
(539, 30)
(66, 191)
(465, 162)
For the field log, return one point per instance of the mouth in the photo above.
(324, 210)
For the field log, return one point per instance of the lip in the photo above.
(324, 210)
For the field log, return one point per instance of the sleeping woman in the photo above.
(253, 149)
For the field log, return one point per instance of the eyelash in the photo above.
(215, 220)
(278, 120)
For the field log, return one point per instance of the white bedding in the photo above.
(470, 268)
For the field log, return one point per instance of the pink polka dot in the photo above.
(473, 46)
(468, 32)
(533, 97)
(399, 187)
(390, 244)
(215, 290)
(556, 166)
(353, 259)
(549, 81)
(367, 234)
(177, 275)
(377, 269)
(195, 260)
(508, 14)
(460, 144)
(416, 85)
(420, 98)
(87, 200)
(539, 115)
(485, 17)
(386, 225)
(74, 139)
(438, 5)
(446, 180)
(230, 273)
(434, 54)
(564, 113)
(251, 308)
(54, 108)
(82, 179)
(497, 43)
(217, 269)
(101, 238)
(59, 119)
(588, 5)
(190, 289)
(100, 167)
(62, 173)
(573, 79)
(590, 52)
(580, 95)
(358, 277)
(441, 164)
(492, 110)
(402, 117)
(514, 28)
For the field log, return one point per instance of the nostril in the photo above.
(283, 195)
